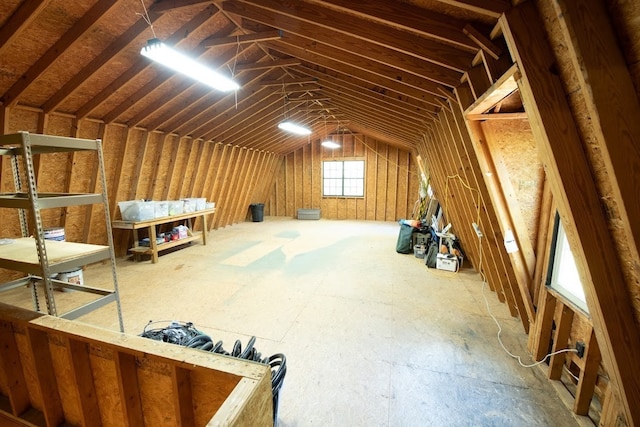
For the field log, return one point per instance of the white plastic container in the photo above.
(176, 207)
(447, 262)
(201, 203)
(189, 205)
(137, 210)
(161, 209)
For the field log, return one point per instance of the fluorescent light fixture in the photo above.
(169, 57)
(294, 128)
(330, 144)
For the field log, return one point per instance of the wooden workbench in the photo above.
(151, 224)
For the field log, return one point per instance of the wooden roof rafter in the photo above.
(194, 116)
(434, 25)
(171, 5)
(325, 25)
(380, 123)
(287, 62)
(122, 42)
(180, 87)
(357, 55)
(371, 106)
(241, 39)
(341, 87)
(378, 74)
(164, 74)
(21, 18)
(197, 104)
(325, 41)
(269, 98)
(82, 26)
(367, 89)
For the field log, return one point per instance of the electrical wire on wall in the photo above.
(484, 283)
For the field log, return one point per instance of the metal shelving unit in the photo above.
(40, 258)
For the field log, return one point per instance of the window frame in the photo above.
(342, 178)
(556, 255)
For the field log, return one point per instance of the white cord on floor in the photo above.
(484, 282)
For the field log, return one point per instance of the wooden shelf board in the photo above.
(22, 255)
(167, 245)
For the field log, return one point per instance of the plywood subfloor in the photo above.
(372, 337)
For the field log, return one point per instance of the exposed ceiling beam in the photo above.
(385, 95)
(410, 18)
(390, 138)
(302, 88)
(288, 62)
(407, 69)
(38, 68)
(498, 116)
(225, 109)
(197, 115)
(242, 38)
(490, 8)
(377, 119)
(232, 124)
(482, 41)
(23, 16)
(163, 75)
(375, 74)
(163, 6)
(307, 99)
(333, 22)
(288, 81)
(139, 66)
(338, 85)
(326, 40)
(203, 104)
(120, 82)
(97, 63)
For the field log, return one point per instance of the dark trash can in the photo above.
(257, 212)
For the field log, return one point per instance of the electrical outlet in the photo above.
(580, 347)
(476, 228)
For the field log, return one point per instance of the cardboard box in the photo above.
(447, 262)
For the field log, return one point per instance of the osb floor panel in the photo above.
(372, 337)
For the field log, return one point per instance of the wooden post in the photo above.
(563, 330)
(588, 376)
(612, 103)
(11, 373)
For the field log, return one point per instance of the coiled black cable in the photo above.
(186, 335)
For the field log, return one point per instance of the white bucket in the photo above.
(54, 233)
(73, 277)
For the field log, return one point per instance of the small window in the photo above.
(343, 178)
(563, 275)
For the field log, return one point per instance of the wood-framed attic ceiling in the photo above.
(380, 68)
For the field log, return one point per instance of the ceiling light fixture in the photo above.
(288, 125)
(329, 143)
(292, 127)
(169, 57)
